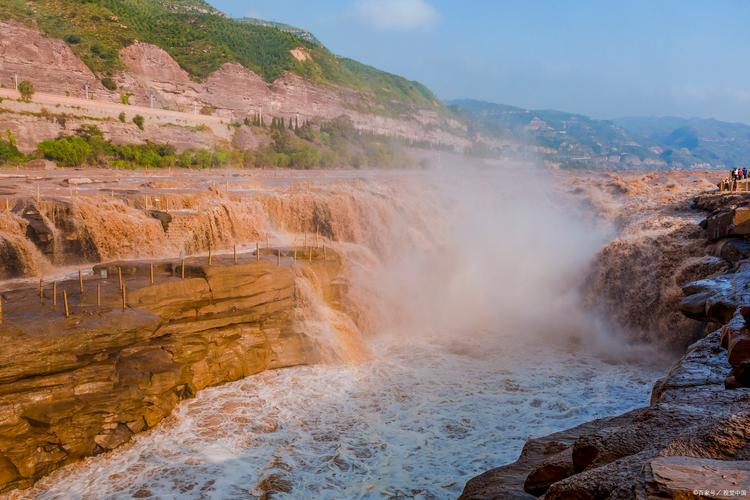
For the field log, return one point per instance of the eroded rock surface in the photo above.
(75, 387)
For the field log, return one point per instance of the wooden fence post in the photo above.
(54, 294)
(65, 300)
(234, 253)
(119, 276)
(210, 257)
(41, 291)
(124, 297)
(80, 281)
(98, 295)
(257, 252)
(182, 272)
(152, 273)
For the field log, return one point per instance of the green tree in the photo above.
(26, 89)
(109, 84)
(66, 151)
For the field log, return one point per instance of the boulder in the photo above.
(78, 181)
(556, 468)
(728, 222)
(694, 306)
(680, 477)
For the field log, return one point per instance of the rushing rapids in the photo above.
(480, 309)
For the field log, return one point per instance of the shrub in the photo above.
(125, 99)
(73, 39)
(122, 117)
(8, 150)
(67, 151)
(109, 84)
(139, 121)
(26, 89)
(207, 110)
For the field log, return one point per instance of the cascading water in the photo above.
(459, 333)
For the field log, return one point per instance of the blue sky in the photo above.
(598, 57)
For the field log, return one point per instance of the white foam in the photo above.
(417, 421)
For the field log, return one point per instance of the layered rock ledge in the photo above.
(78, 386)
(693, 441)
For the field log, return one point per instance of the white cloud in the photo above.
(396, 15)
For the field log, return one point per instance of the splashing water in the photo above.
(471, 287)
(416, 421)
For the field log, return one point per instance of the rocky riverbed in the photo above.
(693, 441)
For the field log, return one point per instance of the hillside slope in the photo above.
(201, 39)
(176, 61)
(576, 140)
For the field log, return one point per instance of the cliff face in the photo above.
(696, 432)
(232, 91)
(79, 386)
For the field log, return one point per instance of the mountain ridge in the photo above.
(576, 140)
(201, 39)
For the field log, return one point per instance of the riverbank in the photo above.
(458, 260)
(87, 364)
(694, 435)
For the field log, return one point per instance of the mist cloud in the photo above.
(396, 15)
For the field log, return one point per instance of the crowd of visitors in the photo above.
(730, 183)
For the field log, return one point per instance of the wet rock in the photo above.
(164, 217)
(728, 222)
(694, 306)
(74, 388)
(554, 469)
(733, 249)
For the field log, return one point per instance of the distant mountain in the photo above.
(574, 140)
(718, 143)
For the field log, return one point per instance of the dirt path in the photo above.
(101, 109)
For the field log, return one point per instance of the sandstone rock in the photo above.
(78, 181)
(554, 469)
(164, 217)
(70, 389)
(679, 477)
(729, 222)
(694, 306)
(47, 62)
(41, 165)
(733, 249)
